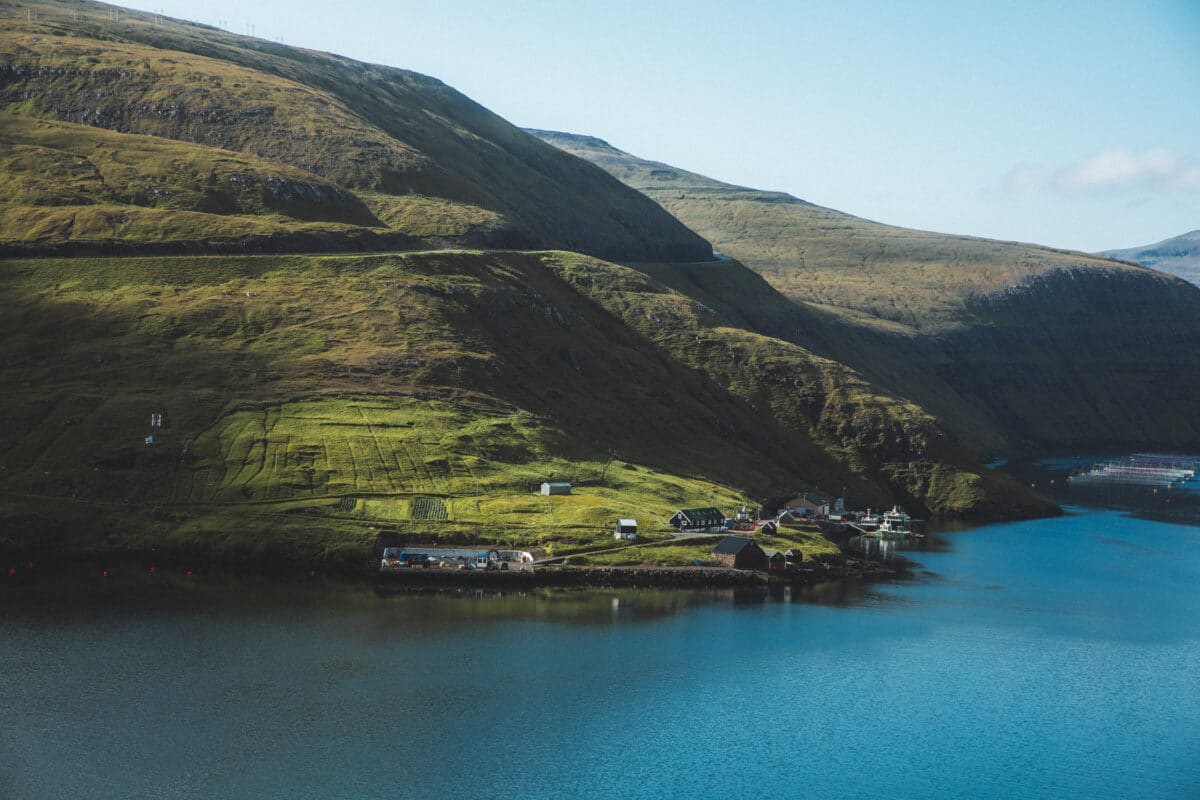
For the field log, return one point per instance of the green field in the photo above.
(416, 464)
(309, 400)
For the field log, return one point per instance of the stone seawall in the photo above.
(661, 577)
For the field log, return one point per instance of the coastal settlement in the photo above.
(702, 546)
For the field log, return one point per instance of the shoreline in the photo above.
(22, 568)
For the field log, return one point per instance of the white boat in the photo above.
(895, 524)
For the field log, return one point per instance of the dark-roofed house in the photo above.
(556, 487)
(699, 520)
(740, 552)
(776, 561)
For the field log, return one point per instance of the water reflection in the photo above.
(75, 596)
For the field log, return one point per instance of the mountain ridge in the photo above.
(971, 329)
(1178, 255)
(365, 128)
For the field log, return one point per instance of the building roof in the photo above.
(732, 545)
(771, 553)
(555, 483)
(702, 516)
(627, 523)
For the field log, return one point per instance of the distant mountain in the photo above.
(1012, 346)
(1179, 255)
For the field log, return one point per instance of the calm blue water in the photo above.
(1049, 659)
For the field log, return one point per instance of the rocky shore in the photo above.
(19, 566)
(638, 577)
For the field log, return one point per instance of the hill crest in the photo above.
(1012, 346)
(368, 129)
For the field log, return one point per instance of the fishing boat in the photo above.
(895, 524)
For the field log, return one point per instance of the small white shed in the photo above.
(626, 529)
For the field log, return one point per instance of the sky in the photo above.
(1071, 124)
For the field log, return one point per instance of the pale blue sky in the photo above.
(1073, 124)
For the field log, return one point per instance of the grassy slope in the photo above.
(880, 437)
(894, 279)
(64, 182)
(363, 127)
(293, 384)
(1010, 345)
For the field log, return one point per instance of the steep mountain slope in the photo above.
(1179, 255)
(1013, 346)
(305, 397)
(876, 434)
(399, 137)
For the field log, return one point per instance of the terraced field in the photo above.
(405, 460)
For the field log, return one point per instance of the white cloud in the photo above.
(1118, 168)
(1023, 177)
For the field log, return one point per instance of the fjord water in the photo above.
(1050, 659)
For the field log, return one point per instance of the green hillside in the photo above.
(179, 208)
(310, 399)
(1012, 346)
(403, 143)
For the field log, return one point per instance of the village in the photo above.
(712, 543)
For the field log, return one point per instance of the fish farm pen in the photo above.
(1142, 469)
